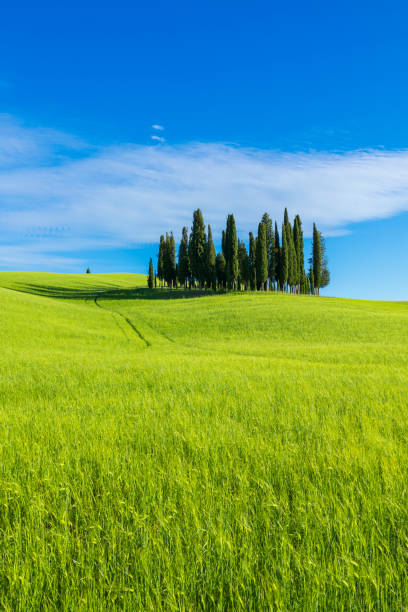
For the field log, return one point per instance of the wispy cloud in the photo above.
(127, 195)
(158, 138)
(158, 127)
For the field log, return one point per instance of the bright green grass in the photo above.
(218, 452)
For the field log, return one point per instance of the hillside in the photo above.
(164, 451)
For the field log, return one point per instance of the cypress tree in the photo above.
(292, 260)
(291, 254)
(223, 246)
(276, 255)
(160, 260)
(300, 258)
(197, 248)
(220, 266)
(311, 280)
(210, 258)
(150, 280)
(243, 264)
(283, 260)
(317, 259)
(231, 251)
(184, 271)
(261, 257)
(324, 271)
(267, 221)
(252, 262)
(169, 260)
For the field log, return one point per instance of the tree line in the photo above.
(274, 261)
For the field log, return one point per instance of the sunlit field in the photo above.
(166, 451)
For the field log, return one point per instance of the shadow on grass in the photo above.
(118, 293)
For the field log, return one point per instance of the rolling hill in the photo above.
(163, 450)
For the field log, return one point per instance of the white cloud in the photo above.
(127, 195)
(158, 127)
(158, 138)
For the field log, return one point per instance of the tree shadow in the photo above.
(117, 293)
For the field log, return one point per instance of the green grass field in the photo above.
(240, 452)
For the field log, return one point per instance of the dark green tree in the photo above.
(243, 259)
(169, 260)
(160, 260)
(184, 271)
(311, 281)
(220, 266)
(252, 262)
(261, 258)
(324, 271)
(267, 221)
(283, 260)
(231, 252)
(210, 252)
(150, 280)
(316, 259)
(198, 248)
(276, 255)
(300, 258)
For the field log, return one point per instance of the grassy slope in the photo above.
(232, 451)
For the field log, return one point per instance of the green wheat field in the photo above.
(163, 451)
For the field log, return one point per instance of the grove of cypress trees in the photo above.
(150, 280)
(198, 248)
(184, 271)
(210, 252)
(317, 259)
(272, 262)
(261, 258)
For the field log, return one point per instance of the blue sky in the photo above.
(262, 104)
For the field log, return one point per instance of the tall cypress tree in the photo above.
(197, 248)
(223, 245)
(300, 257)
(184, 271)
(291, 254)
(160, 260)
(317, 259)
(252, 262)
(150, 280)
(261, 258)
(169, 260)
(324, 271)
(231, 251)
(267, 221)
(276, 256)
(283, 260)
(210, 259)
